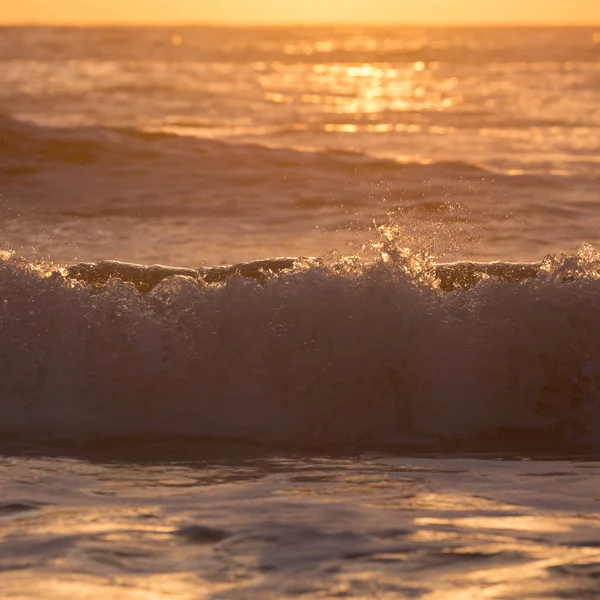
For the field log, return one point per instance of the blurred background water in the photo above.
(216, 144)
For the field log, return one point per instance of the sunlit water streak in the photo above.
(483, 142)
(275, 527)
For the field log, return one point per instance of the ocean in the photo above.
(374, 368)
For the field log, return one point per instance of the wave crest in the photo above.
(341, 353)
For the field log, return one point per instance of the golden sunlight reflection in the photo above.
(365, 91)
(125, 587)
(518, 523)
(355, 529)
(521, 579)
(103, 523)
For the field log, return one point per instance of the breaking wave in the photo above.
(352, 351)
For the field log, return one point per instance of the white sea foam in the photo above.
(343, 353)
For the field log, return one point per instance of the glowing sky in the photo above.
(277, 11)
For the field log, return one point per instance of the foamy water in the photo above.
(343, 354)
(169, 433)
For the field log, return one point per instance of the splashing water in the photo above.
(347, 352)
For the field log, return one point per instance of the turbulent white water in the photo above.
(345, 353)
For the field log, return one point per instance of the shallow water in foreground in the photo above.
(244, 523)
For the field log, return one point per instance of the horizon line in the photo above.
(273, 24)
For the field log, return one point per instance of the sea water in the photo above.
(351, 426)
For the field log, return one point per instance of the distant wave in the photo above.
(85, 145)
(94, 171)
(51, 173)
(349, 352)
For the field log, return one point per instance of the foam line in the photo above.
(451, 276)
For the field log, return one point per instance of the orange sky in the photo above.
(277, 11)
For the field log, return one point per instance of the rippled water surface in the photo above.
(215, 144)
(287, 526)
